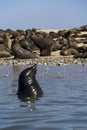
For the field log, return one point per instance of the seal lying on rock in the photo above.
(20, 52)
(81, 55)
(28, 87)
(44, 43)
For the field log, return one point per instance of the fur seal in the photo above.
(20, 52)
(44, 43)
(28, 87)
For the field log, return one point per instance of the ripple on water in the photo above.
(63, 106)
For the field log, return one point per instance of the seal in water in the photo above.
(28, 87)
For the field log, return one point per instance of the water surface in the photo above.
(62, 107)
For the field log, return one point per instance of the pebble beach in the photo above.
(50, 60)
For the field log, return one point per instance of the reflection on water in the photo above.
(63, 106)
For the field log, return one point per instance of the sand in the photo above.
(54, 59)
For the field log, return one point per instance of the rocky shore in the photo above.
(48, 47)
(59, 61)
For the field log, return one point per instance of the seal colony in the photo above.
(23, 44)
(28, 87)
(56, 47)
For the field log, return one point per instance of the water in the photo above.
(62, 107)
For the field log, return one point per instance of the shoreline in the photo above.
(49, 60)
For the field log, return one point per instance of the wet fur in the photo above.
(28, 87)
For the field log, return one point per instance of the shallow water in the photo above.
(62, 107)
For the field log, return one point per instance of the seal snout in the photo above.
(34, 66)
(32, 71)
